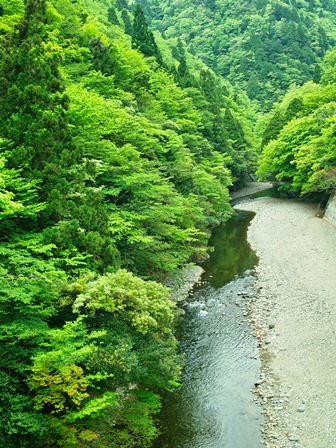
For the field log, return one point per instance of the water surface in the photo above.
(215, 407)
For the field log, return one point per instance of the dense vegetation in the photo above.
(111, 175)
(299, 140)
(262, 45)
(117, 151)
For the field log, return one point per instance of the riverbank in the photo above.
(294, 316)
(251, 188)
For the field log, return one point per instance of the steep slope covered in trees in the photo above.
(112, 171)
(299, 140)
(262, 45)
(117, 150)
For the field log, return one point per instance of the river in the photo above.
(215, 407)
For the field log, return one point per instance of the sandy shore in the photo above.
(295, 319)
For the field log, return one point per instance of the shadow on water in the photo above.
(214, 408)
(232, 254)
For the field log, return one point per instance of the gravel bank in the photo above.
(182, 281)
(295, 320)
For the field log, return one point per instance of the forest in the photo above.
(123, 128)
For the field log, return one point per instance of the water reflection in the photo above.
(232, 255)
(214, 408)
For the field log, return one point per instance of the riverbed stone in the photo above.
(295, 293)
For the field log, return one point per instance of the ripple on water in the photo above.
(214, 408)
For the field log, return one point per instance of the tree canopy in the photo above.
(264, 46)
(113, 169)
(118, 148)
(301, 153)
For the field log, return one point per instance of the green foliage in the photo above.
(301, 152)
(264, 46)
(127, 22)
(144, 304)
(148, 219)
(33, 108)
(317, 74)
(30, 288)
(11, 12)
(142, 37)
(112, 16)
(222, 121)
(17, 196)
(108, 160)
(274, 126)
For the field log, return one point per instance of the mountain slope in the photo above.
(264, 46)
(112, 172)
(299, 141)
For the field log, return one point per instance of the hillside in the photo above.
(114, 167)
(263, 46)
(299, 140)
(118, 148)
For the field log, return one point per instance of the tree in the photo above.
(183, 75)
(33, 109)
(17, 197)
(30, 289)
(278, 42)
(112, 16)
(294, 108)
(127, 22)
(116, 173)
(142, 37)
(252, 87)
(273, 128)
(122, 4)
(178, 51)
(317, 74)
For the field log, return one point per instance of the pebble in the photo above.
(284, 426)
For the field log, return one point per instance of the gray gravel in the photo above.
(182, 281)
(294, 316)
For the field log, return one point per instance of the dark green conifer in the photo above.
(121, 4)
(142, 37)
(33, 108)
(210, 90)
(179, 50)
(317, 74)
(234, 129)
(183, 68)
(127, 22)
(102, 57)
(175, 53)
(112, 16)
(192, 49)
(261, 4)
(273, 128)
(211, 4)
(293, 109)
(252, 87)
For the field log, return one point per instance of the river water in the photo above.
(215, 407)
